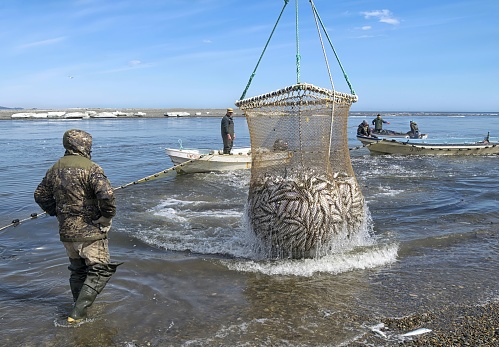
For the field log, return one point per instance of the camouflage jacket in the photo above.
(76, 190)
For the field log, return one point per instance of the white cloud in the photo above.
(391, 21)
(366, 27)
(384, 16)
(134, 62)
(43, 42)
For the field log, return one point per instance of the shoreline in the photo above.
(6, 114)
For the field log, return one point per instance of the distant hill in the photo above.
(10, 108)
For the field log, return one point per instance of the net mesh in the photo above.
(303, 192)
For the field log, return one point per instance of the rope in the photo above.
(359, 147)
(322, 45)
(331, 44)
(16, 222)
(264, 49)
(329, 73)
(298, 56)
(152, 177)
(157, 174)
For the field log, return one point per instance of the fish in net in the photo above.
(303, 193)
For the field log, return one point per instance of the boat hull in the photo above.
(398, 135)
(210, 161)
(408, 148)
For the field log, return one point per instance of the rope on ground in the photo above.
(152, 177)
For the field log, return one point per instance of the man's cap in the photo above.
(230, 110)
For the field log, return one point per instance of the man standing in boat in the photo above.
(378, 123)
(227, 128)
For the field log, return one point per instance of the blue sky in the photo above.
(399, 55)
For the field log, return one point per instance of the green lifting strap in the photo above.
(331, 44)
(298, 56)
(264, 49)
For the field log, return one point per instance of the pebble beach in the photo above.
(455, 326)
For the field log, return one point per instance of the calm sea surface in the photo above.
(191, 277)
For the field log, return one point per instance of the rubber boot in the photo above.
(85, 300)
(78, 270)
(97, 277)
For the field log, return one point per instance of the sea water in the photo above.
(190, 275)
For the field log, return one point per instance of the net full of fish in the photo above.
(303, 193)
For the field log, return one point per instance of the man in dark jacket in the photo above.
(378, 123)
(414, 132)
(228, 135)
(76, 190)
(364, 130)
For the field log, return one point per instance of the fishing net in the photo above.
(303, 192)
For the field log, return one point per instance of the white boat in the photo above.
(177, 114)
(75, 115)
(90, 113)
(196, 160)
(23, 115)
(139, 114)
(104, 115)
(55, 114)
(210, 160)
(40, 115)
(120, 114)
(391, 146)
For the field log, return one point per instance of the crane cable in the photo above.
(264, 49)
(298, 56)
(316, 13)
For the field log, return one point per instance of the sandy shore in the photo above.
(6, 114)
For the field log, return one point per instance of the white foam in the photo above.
(390, 192)
(237, 179)
(170, 213)
(183, 210)
(335, 263)
(198, 227)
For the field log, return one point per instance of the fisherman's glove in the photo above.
(104, 223)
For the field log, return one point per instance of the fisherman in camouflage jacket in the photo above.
(76, 190)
